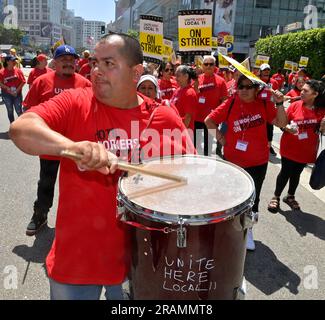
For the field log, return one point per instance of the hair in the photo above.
(189, 71)
(299, 79)
(162, 67)
(243, 78)
(319, 87)
(210, 57)
(131, 49)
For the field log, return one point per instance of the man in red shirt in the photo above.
(44, 88)
(40, 69)
(84, 60)
(85, 70)
(91, 247)
(266, 95)
(212, 92)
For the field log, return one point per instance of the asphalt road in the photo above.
(289, 262)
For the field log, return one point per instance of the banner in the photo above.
(223, 63)
(303, 62)
(251, 76)
(152, 38)
(195, 31)
(168, 50)
(261, 59)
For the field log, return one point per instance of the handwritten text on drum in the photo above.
(186, 276)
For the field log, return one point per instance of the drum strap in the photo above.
(142, 227)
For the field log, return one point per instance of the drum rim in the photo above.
(202, 219)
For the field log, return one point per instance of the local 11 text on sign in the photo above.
(195, 31)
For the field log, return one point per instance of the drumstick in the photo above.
(131, 168)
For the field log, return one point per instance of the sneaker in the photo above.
(250, 246)
(36, 224)
(272, 151)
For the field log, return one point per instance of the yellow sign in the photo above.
(151, 38)
(260, 59)
(288, 65)
(295, 67)
(223, 63)
(195, 31)
(168, 50)
(251, 76)
(214, 43)
(304, 62)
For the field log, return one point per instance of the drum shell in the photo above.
(209, 268)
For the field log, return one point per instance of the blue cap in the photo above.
(10, 57)
(65, 51)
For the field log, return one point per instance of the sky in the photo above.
(100, 10)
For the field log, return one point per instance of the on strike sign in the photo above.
(152, 38)
(195, 31)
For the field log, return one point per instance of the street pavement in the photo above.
(289, 262)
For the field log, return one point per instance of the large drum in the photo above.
(188, 241)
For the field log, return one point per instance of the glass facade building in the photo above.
(250, 19)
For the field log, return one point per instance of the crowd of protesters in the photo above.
(216, 107)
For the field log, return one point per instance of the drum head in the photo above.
(213, 187)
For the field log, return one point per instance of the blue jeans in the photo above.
(11, 102)
(60, 291)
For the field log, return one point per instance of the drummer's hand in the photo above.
(95, 157)
(222, 140)
(278, 96)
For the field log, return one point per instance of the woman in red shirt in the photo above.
(245, 142)
(185, 98)
(295, 93)
(299, 143)
(12, 81)
(167, 84)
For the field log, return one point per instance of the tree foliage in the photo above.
(292, 46)
(10, 36)
(133, 33)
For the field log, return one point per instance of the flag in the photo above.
(247, 64)
(251, 76)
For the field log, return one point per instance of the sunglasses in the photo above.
(248, 87)
(208, 64)
(169, 70)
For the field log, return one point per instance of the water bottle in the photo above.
(294, 126)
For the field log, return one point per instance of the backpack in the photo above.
(317, 179)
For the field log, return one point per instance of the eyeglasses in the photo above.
(169, 70)
(248, 87)
(209, 64)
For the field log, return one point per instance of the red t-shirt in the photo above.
(167, 88)
(91, 246)
(232, 87)
(212, 90)
(280, 78)
(291, 77)
(36, 72)
(85, 71)
(82, 62)
(186, 101)
(295, 94)
(12, 78)
(246, 123)
(303, 147)
(48, 86)
(266, 93)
